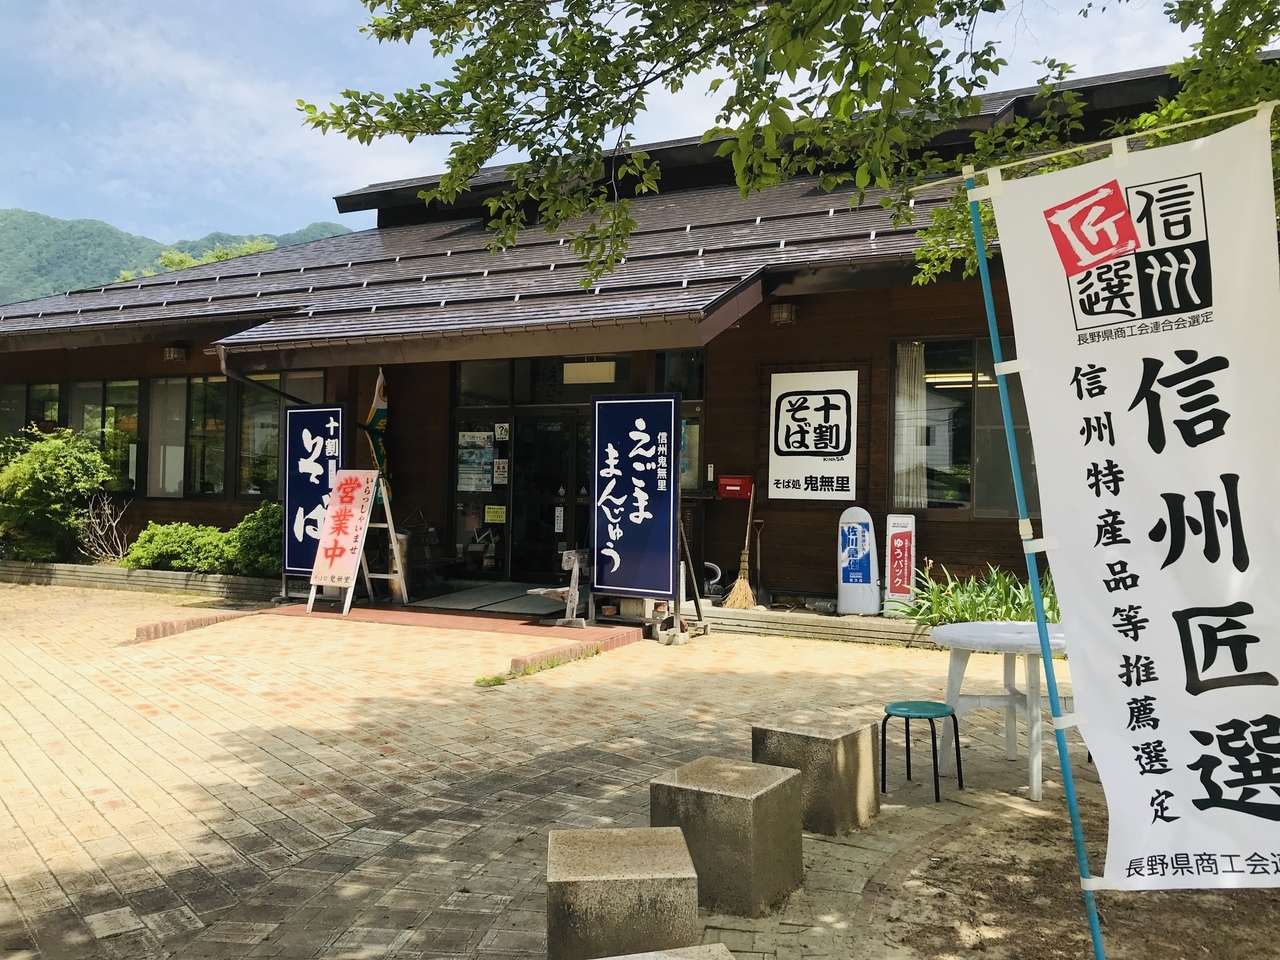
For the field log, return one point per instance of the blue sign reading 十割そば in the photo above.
(635, 465)
(312, 455)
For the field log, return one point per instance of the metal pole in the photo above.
(1033, 577)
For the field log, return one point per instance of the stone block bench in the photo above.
(617, 891)
(742, 824)
(837, 763)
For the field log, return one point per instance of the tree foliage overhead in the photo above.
(844, 87)
(852, 90)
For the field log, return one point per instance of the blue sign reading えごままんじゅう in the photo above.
(635, 464)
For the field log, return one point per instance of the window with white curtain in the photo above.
(949, 450)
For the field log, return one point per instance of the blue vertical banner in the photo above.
(635, 495)
(312, 457)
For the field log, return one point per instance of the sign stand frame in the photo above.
(396, 567)
(1033, 573)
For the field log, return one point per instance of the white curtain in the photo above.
(910, 485)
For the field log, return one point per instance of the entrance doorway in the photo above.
(550, 493)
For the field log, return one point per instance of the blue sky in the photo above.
(174, 120)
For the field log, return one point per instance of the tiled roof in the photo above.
(690, 251)
(994, 104)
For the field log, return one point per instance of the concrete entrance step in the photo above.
(818, 626)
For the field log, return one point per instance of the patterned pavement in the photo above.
(278, 786)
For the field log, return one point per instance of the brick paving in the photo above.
(290, 787)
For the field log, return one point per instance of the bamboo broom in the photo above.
(741, 597)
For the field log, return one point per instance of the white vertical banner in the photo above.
(1146, 306)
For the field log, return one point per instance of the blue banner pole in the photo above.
(1033, 577)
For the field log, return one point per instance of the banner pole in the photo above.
(1033, 578)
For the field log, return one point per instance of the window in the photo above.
(85, 415)
(483, 383)
(993, 488)
(260, 417)
(546, 380)
(13, 408)
(167, 435)
(259, 437)
(949, 446)
(42, 403)
(681, 371)
(207, 436)
(191, 436)
(107, 413)
(120, 434)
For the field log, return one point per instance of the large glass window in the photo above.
(183, 422)
(167, 430)
(259, 436)
(933, 410)
(42, 404)
(13, 408)
(120, 433)
(260, 419)
(681, 371)
(549, 380)
(207, 436)
(992, 475)
(85, 415)
(484, 383)
(949, 446)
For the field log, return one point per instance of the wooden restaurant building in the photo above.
(185, 375)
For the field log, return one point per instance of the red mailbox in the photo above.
(734, 488)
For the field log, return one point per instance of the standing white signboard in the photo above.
(1146, 304)
(813, 429)
(344, 528)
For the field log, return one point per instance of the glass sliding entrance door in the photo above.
(549, 486)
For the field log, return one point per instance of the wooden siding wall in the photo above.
(854, 330)
(130, 362)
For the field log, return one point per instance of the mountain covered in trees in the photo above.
(42, 255)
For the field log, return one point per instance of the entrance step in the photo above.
(818, 626)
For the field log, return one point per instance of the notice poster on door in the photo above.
(475, 462)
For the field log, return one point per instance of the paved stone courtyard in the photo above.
(277, 786)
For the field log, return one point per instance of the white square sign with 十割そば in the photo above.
(813, 430)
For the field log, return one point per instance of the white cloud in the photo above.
(176, 120)
(180, 120)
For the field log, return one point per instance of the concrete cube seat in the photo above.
(742, 824)
(837, 763)
(617, 891)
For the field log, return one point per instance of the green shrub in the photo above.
(257, 542)
(997, 596)
(253, 548)
(45, 484)
(180, 546)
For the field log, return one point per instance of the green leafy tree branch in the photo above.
(855, 91)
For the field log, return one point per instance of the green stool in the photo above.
(929, 710)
